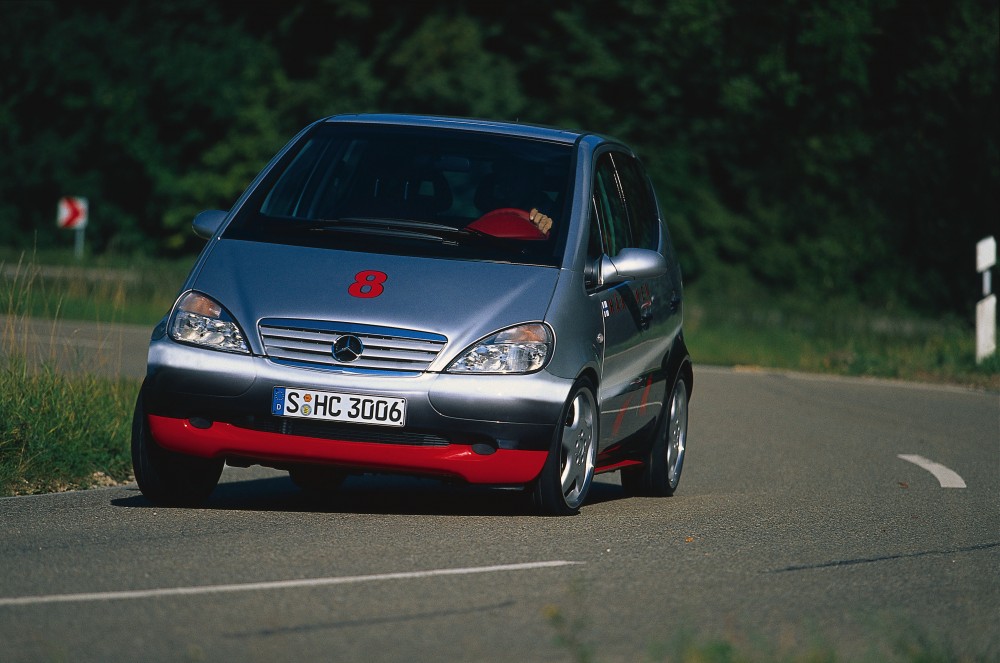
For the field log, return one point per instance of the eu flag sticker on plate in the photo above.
(278, 401)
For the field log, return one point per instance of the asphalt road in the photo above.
(797, 526)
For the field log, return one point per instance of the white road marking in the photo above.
(280, 584)
(947, 477)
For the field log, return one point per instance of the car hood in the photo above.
(461, 300)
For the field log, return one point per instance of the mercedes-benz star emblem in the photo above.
(347, 348)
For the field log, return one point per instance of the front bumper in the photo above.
(480, 429)
(456, 461)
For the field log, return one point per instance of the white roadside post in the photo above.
(72, 215)
(986, 309)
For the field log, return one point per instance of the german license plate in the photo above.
(334, 406)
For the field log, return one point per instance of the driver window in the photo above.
(595, 247)
(610, 207)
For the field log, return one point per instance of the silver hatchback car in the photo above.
(479, 301)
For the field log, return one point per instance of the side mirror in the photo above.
(207, 223)
(631, 264)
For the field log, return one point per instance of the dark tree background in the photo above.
(844, 148)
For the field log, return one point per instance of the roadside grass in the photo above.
(60, 430)
(832, 337)
(53, 284)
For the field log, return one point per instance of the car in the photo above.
(479, 301)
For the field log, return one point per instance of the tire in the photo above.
(167, 478)
(568, 472)
(661, 473)
(317, 482)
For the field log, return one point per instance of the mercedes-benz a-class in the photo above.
(486, 302)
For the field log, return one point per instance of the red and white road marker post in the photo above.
(72, 215)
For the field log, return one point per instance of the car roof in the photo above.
(465, 124)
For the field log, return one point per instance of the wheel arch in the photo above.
(677, 365)
(590, 374)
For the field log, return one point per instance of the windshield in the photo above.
(414, 191)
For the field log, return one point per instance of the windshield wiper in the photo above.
(388, 226)
(374, 222)
(410, 228)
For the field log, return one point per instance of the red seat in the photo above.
(509, 223)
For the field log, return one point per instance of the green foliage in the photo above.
(442, 67)
(149, 111)
(835, 149)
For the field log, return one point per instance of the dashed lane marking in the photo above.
(947, 477)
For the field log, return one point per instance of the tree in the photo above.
(119, 106)
(822, 149)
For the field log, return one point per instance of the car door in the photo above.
(629, 394)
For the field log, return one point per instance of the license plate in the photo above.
(333, 406)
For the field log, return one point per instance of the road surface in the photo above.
(803, 520)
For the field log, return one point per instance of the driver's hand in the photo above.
(542, 221)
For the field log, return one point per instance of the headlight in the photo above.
(201, 320)
(521, 349)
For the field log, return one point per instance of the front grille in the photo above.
(341, 432)
(310, 342)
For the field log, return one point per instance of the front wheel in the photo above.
(661, 473)
(569, 470)
(167, 478)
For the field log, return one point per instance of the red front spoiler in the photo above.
(505, 466)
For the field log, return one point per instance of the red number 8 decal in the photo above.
(367, 284)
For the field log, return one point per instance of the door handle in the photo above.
(645, 315)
